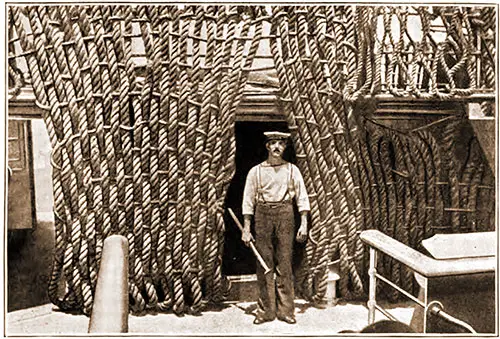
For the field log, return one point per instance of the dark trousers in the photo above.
(275, 232)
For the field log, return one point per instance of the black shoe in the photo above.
(288, 319)
(259, 320)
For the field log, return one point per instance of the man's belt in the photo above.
(275, 204)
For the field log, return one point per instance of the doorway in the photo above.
(250, 151)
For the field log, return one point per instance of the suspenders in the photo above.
(290, 186)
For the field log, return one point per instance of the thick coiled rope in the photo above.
(165, 235)
(16, 78)
(213, 149)
(203, 145)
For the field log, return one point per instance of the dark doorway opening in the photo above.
(250, 151)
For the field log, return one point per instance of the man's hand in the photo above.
(302, 233)
(247, 237)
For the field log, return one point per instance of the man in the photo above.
(270, 189)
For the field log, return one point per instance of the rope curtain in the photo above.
(148, 152)
(360, 175)
(324, 154)
(413, 182)
(148, 156)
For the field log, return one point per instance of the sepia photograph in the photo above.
(250, 169)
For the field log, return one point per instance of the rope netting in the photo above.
(426, 52)
(149, 151)
(424, 187)
(363, 175)
(148, 156)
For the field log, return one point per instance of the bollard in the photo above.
(110, 309)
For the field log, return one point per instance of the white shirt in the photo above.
(274, 182)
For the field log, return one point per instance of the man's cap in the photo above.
(275, 135)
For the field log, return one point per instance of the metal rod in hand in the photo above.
(251, 244)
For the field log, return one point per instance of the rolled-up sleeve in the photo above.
(249, 193)
(302, 198)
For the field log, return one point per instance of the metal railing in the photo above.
(425, 267)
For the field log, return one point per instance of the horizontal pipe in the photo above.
(110, 308)
(385, 312)
(393, 285)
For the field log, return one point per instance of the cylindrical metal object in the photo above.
(372, 272)
(110, 309)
